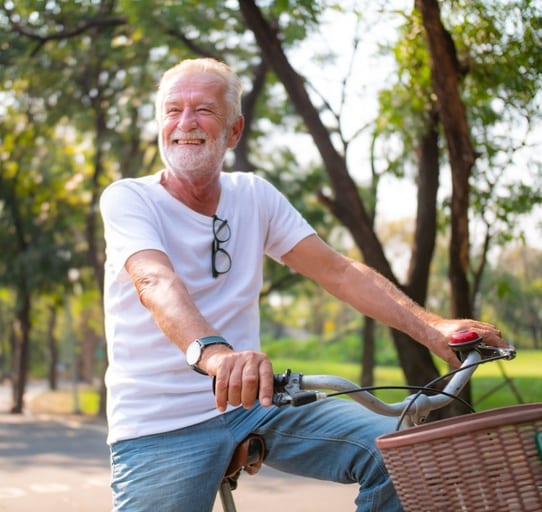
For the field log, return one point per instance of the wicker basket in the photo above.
(487, 461)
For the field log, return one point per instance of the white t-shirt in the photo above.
(150, 387)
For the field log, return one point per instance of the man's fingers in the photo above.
(221, 389)
(242, 378)
(266, 383)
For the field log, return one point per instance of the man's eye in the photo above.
(172, 109)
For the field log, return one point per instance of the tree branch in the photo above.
(100, 21)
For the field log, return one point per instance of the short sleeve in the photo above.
(130, 224)
(286, 226)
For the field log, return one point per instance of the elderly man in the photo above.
(183, 276)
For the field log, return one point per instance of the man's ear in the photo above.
(236, 130)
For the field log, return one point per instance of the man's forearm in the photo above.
(375, 296)
(162, 291)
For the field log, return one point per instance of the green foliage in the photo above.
(512, 295)
(296, 17)
(345, 350)
(496, 46)
(502, 91)
(39, 235)
(405, 107)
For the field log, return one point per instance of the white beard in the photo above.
(194, 160)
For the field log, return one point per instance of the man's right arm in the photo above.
(162, 292)
(241, 377)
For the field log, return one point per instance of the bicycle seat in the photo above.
(248, 455)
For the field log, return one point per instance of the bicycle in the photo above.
(485, 461)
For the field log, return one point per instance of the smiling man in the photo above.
(184, 252)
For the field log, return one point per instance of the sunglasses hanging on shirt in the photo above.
(220, 258)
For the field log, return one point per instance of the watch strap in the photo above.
(204, 342)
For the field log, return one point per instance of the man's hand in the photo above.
(240, 377)
(443, 329)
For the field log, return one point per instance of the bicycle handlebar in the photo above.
(296, 389)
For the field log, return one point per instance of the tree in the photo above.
(36, 211)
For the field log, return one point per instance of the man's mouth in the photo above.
(193, 142)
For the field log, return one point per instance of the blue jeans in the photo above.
(182, 470)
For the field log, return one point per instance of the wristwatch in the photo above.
(195, 350)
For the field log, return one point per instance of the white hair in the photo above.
(205, 65)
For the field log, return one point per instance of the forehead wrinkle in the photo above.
(195, 84)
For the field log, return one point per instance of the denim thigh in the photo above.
(333, 440)
(178, 470)
(182, 470)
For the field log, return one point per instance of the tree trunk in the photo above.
(241, 151)
(95, 251)
(424, 241)
(21, 354)
(346, 205)
(445, 79)
(426, 215)
(89, 347)
(53, 349)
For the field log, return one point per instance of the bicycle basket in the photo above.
(486, 461)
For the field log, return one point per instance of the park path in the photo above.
(61, 464)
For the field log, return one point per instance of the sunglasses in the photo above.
(220, 258)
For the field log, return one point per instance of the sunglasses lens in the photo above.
(221, 230)
(221, 260)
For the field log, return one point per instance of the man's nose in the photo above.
(187, 119)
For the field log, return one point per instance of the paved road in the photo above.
(52, 466)
(60, 465)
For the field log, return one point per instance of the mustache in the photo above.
(194, 134)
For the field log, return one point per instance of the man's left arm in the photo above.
(373, 295)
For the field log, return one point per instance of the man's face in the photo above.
(194, 131)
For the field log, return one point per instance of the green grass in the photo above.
(524, 372)
(525, 381)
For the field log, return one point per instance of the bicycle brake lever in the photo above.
(487, 351)
(298, 398)
(287, 390)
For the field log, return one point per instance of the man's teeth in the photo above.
(189, 141)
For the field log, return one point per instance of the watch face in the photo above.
(193, 353)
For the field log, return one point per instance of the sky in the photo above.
(370, 71)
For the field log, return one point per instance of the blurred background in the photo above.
(407, 132)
